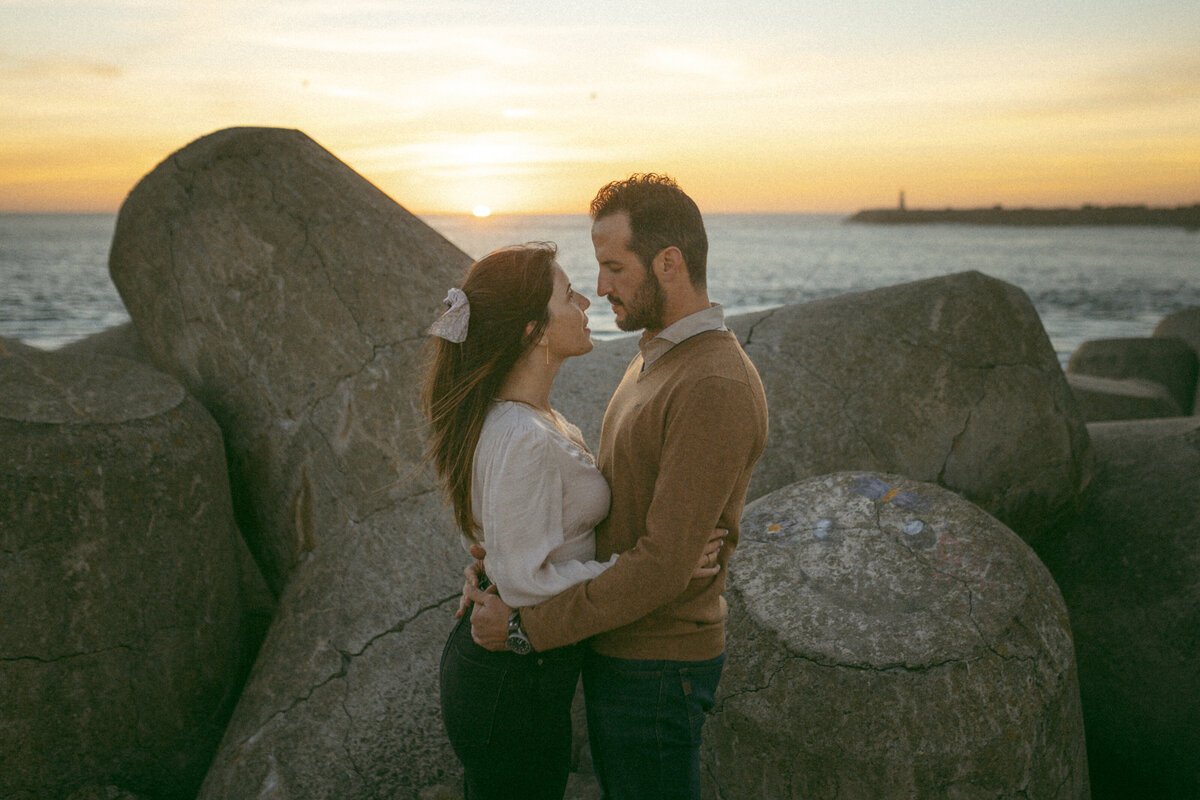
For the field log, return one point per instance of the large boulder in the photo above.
(1129, 570)
(119, 340)
(1168, 361)
(1107, 399)
(1183, 325)
(16, 347)
(291, 297)
(124, 632)
(103, 793)
(889, 639)
(949, 380)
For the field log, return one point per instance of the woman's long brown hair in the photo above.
(506, 289)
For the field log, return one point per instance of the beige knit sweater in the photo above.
(678, 444)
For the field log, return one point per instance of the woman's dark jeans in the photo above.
(645, 719)
(509, 716)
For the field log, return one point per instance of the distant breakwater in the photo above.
(1187, 217)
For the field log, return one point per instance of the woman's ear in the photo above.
(530, 327)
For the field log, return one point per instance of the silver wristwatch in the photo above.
(517, 641)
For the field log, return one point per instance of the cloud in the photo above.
(56, 69)
(1154, 83)
(692, 62)
(480, 150)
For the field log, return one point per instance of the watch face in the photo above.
(518, 644)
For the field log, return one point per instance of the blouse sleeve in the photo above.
(521, 513)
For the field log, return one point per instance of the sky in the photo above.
(529, 106)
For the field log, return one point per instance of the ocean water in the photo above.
(1086, 283)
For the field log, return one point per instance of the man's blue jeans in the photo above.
(645, 719)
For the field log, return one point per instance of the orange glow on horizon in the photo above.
(841, 183)
(755, 110)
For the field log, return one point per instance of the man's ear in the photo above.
(668, 264)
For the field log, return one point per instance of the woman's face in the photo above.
(567, 334)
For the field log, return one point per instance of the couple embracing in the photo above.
(611, 566)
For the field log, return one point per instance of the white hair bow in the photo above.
(452, 324)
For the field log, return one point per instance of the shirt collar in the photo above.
(709, 319)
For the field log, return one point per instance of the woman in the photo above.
(522, 484)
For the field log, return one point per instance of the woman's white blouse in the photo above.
(538, 497)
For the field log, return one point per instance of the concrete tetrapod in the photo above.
(124, 635)
(889, 639)
(291, 298)
(1166, 360)
(1129, 569)
(1184, 325)
(1106, 399)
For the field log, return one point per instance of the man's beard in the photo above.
(645, 308)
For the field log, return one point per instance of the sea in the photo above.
(1085, 282)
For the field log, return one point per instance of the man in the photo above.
(679, 440)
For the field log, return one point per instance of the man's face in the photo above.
(634, 292)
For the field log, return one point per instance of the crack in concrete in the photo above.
(390, 507)
(347, 657)
(750, 333)
(404, 623)
(719, 707)
(843, 402)
(68, 656)
(897, 667)
(941, 477)
(338, 383)
(332, 285)
(354, 765)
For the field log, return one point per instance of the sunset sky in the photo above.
(529, 106)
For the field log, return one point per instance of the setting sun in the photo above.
(481, 211)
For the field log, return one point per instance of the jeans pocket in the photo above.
(471, 685)
(699, 684)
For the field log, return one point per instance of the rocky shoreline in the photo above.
(963, 569)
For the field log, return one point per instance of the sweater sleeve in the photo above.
(711, 434)
(521, 513)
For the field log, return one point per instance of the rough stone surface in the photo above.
(343, 700)
(888, 638)
(123, 629)
(950, 380)
(12, 347)
(1168, 361)
(1106, 399)
(1129, 570)
(1184, 325)
(119, 340)
(103, 793)
(291, 297)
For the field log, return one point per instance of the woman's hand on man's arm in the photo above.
(709, 563)
(471, 575)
